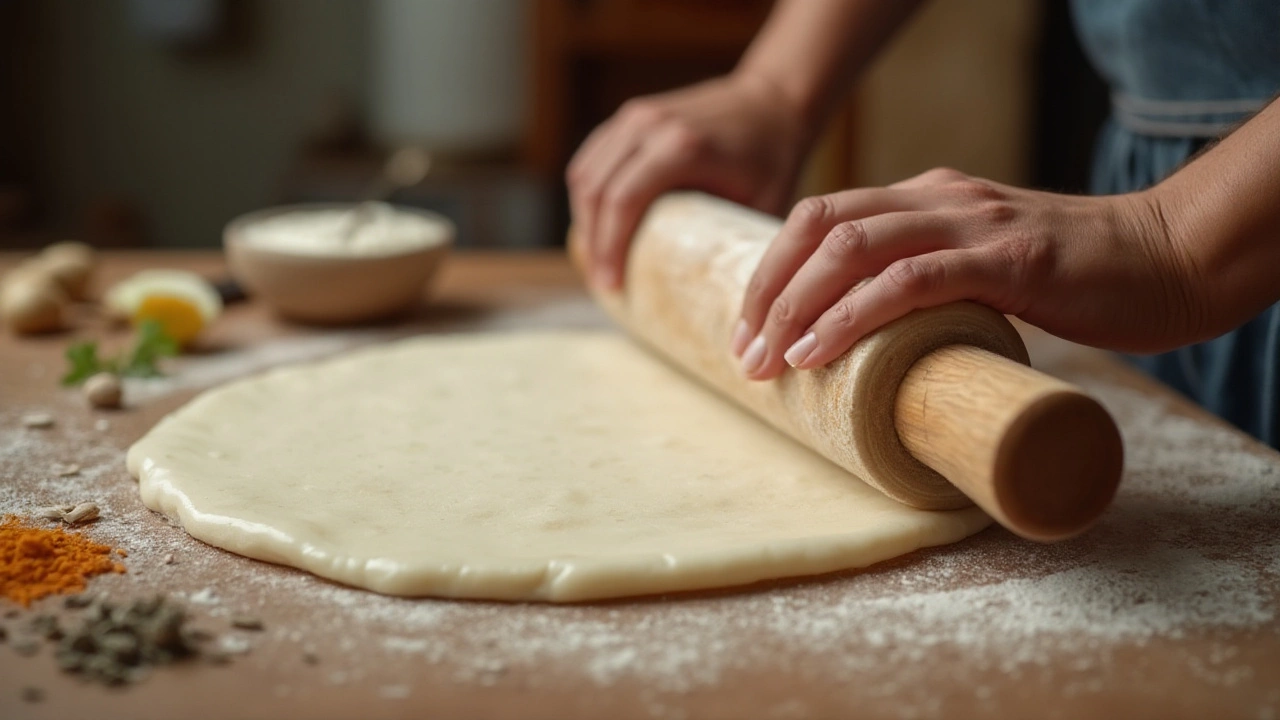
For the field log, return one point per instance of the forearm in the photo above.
(810, 50)
(1223, 211)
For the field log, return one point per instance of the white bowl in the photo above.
(336, 288)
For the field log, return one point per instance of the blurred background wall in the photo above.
(955, 89)
(161, 137)
(154, 122)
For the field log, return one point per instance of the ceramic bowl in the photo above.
(336, 288)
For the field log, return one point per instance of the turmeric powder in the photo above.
(35, 562)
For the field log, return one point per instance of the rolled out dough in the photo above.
(559, 466)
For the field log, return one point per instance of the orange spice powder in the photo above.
(35, 561)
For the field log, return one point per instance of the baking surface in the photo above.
(1166, 609)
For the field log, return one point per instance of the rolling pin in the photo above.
(938, 410)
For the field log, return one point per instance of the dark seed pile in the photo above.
(119, 644)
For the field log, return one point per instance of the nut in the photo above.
(32, 302)
(104, 390)
(71, 264)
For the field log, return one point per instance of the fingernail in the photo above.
(741, 336)
(802, 349)
(753, 358)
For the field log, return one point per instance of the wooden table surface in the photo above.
(1166, 609)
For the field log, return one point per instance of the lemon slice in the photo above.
(182, 302)
(178, 316)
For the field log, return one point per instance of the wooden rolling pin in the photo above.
(939, 410)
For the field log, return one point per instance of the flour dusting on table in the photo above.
(1190, 549)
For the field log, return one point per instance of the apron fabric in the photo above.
(1182, 74)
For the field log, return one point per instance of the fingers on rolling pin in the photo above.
(812, 222)
(1037, 454)
(932, 428)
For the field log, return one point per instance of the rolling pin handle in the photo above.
(1035, 453)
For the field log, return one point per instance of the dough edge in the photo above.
(558, 580)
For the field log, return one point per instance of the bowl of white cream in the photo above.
(338, 263)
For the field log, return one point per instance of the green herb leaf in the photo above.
(149, 345)
(84, 362)
(152, 344)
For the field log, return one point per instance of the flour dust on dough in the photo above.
(560, 466)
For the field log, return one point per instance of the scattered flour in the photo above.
(1189, 551)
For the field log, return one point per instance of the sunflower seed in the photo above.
(37, 420)
(82, 513)
(54, 512)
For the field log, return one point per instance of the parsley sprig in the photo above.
(141, 360)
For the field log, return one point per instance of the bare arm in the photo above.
(1224, 210)
(811, 50)
(741, 136)
(1187, 260)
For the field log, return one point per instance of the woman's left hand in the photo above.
(1104, 271)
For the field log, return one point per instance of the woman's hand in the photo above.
(737, 136)
(1104, 271)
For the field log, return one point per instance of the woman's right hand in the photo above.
(738, 137)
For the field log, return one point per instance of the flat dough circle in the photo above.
(557, 466)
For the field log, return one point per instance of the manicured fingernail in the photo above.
(741, 336)
(802, 349)
(753, 357)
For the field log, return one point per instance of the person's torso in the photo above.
(1183, 73)
(1179, 65)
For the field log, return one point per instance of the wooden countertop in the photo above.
(1166, 609)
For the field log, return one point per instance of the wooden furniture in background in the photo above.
(590, 56)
